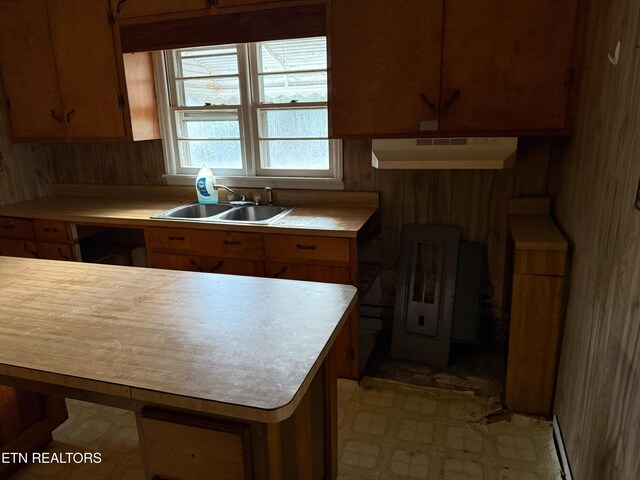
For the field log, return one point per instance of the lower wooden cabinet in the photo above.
(46, 239)
(194, 263)
(26, 421)
(292, 257)
(535, 326)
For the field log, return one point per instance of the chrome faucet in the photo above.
(269, 191)
(242, 197)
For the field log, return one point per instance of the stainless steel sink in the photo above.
(256, 214)
(195, 211)
(253, 213)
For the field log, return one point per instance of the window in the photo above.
(250, 111)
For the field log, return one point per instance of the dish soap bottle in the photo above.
(204, 186)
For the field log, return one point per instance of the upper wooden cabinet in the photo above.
(63, 78)
(140, 8)
(419, 68)
(384, 66)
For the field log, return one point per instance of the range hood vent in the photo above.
(445, 153)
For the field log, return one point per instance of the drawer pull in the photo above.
(231, 242)
(280, 272)
(195, 265)
(50, 229)
(9, 226)
(217, 266)
(299, 246)
(30, 251)
(175, 239)
(62, 254)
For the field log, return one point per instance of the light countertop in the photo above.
(238, 346)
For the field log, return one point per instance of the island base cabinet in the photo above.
(26, 421)
(177, 445)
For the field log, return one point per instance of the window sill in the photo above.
(296, 183)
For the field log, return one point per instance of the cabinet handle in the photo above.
(432, 106)
(56, 116)
(210, 3)
(299, 246)
(231, 242)
(9, 226)
(452, 98)
(50, 229)
(280, 272)
(119, 6)
(29, 251)
(71, 112)
(62, 254)
(195, 265)
(175, 239)
(217, 266)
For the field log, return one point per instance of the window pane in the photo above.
(287, 55)
(294, 123)
(301, 87)
(294, 154)
(214, 91)
(214, 153)
(208, 124)
(201, 62)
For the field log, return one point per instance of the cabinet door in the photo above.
(18, 248)
(506, 64)
(57, 251)
(29, 74)
(194, 263)
(314, 273)
(384, 66)
(139, 8)
(87, 69)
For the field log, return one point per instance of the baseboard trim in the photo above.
(561, 451)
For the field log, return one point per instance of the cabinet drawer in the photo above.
(313, 273)
(56, 251)
(298, 247)
(194, 263)
(18, 248)
(16, 228)
(50, 231)
(202, 242)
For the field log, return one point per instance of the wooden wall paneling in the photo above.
(461, 198)
(444, 195)
(121, 163)
(533, 167)
(420, 196)
(597, 400)
(358, 173)
(26, 168)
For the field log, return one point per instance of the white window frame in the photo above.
(250, 176)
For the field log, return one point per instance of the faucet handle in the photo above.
(269, 191)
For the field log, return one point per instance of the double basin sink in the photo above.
(220, 212)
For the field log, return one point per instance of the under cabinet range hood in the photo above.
(445, 153)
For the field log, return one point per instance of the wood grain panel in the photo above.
(85, 55)
(533, 343)
(28, 64)
(597, 400)
(370, 41)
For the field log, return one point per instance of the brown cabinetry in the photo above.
(449, 66)
(47, 239)
(539, 255)
(293, 257)
(63, 78)
(140, 8)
